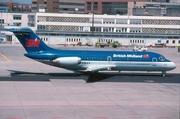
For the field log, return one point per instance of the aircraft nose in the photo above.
(172, 65)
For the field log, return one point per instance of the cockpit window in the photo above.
(162, 58)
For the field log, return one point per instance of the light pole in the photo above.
(93, 18)
(1, 23)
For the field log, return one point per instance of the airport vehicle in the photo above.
(107, 44)
(140, 48)
(90, 60)
(160, 44)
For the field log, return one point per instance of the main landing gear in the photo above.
(163, 73)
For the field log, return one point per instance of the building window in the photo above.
(41, 27)
(97, 29)
(34, 8)
(179, 41)
(1, 21)
(88, 5)
(114, 8)
(65, 9)
(167, 41)
(17, 17)
(173, 41)
(16, 24)
(95, 5)
(81, 28)
(71, 4)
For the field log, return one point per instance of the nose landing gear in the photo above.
(163, 73)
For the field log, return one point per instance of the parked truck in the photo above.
(108, 44)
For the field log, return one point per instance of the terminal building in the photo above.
(59, 6)
(141, 22)
(55, 28)
(109, 7)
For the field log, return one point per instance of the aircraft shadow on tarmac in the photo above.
(94, 77)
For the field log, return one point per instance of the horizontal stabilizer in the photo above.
(19, 30)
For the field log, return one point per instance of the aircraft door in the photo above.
(154, 61)
(109, 58)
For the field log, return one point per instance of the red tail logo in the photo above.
(32, 43)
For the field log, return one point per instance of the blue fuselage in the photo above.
(102, 60)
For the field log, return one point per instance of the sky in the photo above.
(19, 1)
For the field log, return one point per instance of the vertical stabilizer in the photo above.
(30, 41)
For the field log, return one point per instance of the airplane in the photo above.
(91, 61)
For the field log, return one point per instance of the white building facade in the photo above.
(55, 28)
(13, 20)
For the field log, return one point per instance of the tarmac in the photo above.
(31, 90)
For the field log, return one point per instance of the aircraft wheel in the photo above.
(163, 73)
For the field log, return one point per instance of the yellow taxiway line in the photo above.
(5, 57)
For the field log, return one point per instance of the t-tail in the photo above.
(30, 41)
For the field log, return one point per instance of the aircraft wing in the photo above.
(100, 67)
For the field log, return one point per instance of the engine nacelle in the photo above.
(67, 61)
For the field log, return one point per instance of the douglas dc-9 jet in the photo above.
(90, 60)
